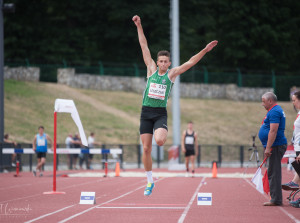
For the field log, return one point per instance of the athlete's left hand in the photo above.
(211, 45)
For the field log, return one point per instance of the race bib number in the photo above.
(41, 142)
(189, 140)
(157, 91)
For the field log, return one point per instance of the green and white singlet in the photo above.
(157, 90)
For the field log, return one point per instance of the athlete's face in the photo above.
(190, 126)
(296, 102)
(41, 131)
(163, 63)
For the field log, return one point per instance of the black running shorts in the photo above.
(189, 152)
(152, 119)
(40, 155)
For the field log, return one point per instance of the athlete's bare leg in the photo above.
(192, 162)
(160, 136)
(40, 163)
(147, 147)
(296, 179)
(187, 160)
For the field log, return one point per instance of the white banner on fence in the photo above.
(68, 106)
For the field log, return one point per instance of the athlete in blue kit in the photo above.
(40, 145)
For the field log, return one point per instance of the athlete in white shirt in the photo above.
(294, 184)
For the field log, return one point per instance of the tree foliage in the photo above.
(253, 35)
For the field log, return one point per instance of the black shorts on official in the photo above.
(189, 152)
(152, 119)
(40, 155)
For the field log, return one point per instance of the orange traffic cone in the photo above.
(214, 170)
(117, 169)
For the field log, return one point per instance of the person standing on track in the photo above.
(189, 147)
(294, 184)
(271, 135)
(13, 144)
(40, 143)
(155, 98)
(91, 143)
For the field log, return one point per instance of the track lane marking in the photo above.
(51, 213)
(187, 208)
(284, 211)
(41, 194)
(62, 209)
(141, 207)
(116, 198)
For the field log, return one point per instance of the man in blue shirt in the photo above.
(271, 135)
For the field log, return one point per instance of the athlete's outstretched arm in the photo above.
(174, 72)
(151, 66)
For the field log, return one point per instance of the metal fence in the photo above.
(131, 157)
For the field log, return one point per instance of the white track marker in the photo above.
(187, 208)
(89, 209)
(284, 211)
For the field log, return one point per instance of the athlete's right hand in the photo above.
(137, 20)
(211, 45)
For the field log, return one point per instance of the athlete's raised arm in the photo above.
(151, 66)
(174, 72)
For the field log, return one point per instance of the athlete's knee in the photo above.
(147, 149)
(160, 141)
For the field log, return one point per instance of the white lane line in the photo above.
(15, 186)
(182, 217)
(41, 194)
(141, 207)
(284, 211)
(116, 198)
(22, 185)
(288, 214)
(51, 213)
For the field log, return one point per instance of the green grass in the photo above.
(114, 116)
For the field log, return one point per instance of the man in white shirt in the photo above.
(68, 142)
(91, 144)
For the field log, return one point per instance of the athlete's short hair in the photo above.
(41, 127)
(297, 94)
(270, 95)
(164, 53)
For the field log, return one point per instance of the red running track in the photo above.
(121, 199)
